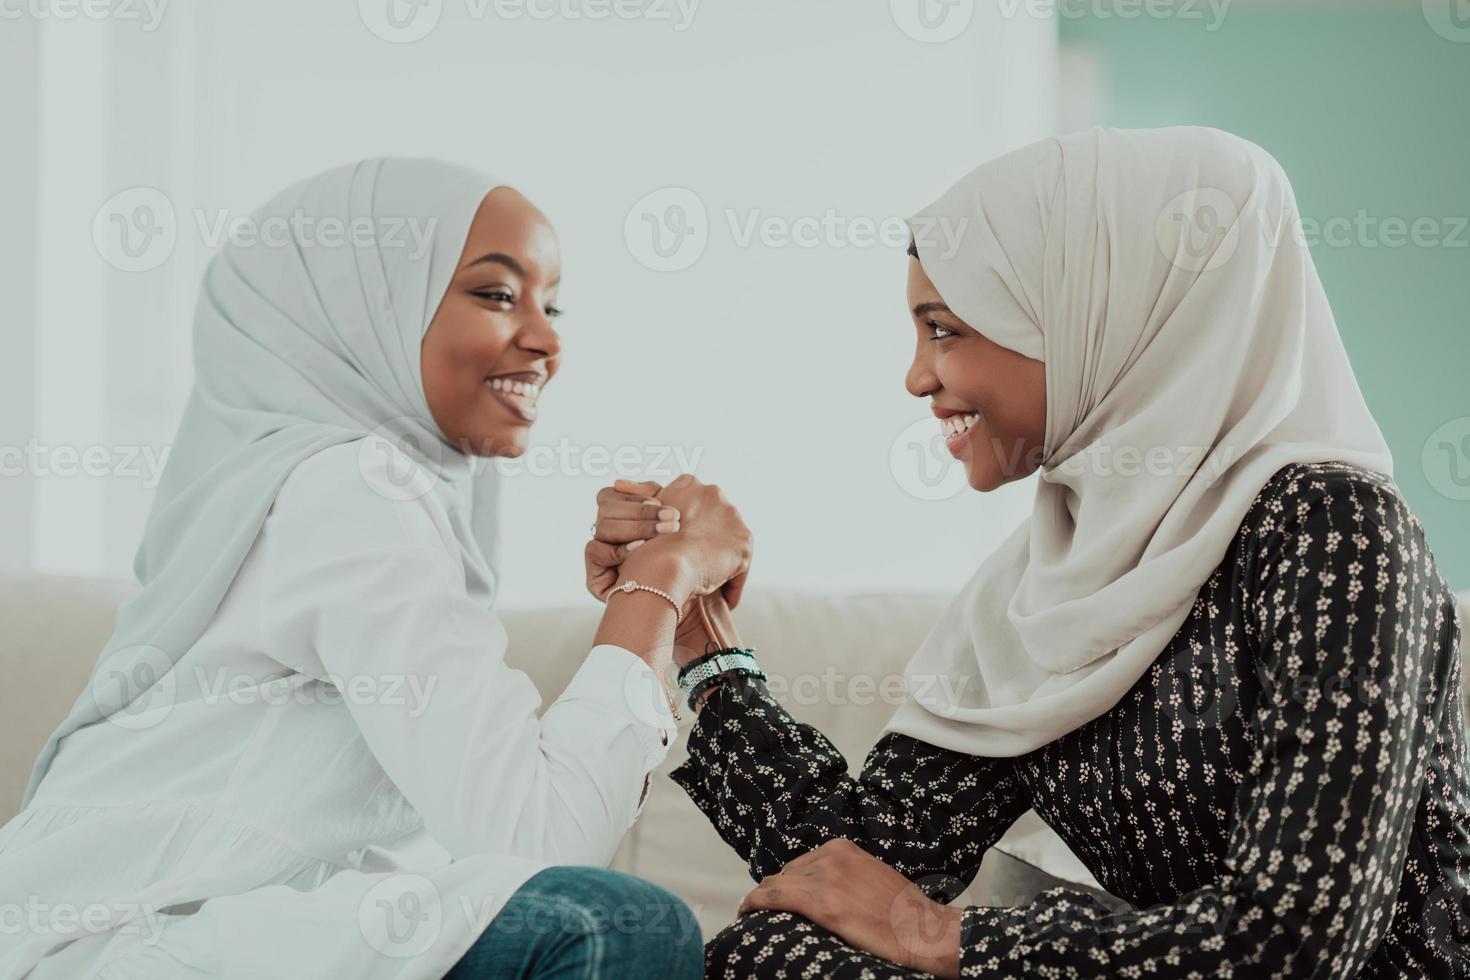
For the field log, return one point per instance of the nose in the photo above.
(539, 336)
(921, 380)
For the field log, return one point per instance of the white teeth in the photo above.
(957, 424)
(522, 389)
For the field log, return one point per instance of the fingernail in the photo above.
(634, 545)
(665, 527)
(653, 503)
(668, 514)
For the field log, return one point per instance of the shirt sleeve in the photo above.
(775, 789)
(1347, 618)
(362, 591)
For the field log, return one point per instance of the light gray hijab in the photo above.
(305, 337)
(1162, 277)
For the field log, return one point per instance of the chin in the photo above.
(983, 478)
(988, 474)
(508, 443)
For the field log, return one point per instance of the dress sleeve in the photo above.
(775, 789)
(362, 593)
(1349, 628)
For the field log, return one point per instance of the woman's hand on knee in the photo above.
(872, 907)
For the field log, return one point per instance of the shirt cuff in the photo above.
(624, 684)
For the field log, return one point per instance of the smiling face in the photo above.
(492, 346)
(990, 401)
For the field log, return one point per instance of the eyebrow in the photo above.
(504, 260)
(924, 309)
(510, 264)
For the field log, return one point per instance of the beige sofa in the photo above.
(834, 661)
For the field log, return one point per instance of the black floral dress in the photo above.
(1285, 793)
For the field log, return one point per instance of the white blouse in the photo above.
(342, 778)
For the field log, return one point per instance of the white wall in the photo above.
(777, 368)
(20, 58)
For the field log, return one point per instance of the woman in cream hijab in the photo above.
(302, 753)
(1218, 658)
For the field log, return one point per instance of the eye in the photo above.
(553, 312)
(937, 327)
(495, 294)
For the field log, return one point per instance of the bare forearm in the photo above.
(641, 621)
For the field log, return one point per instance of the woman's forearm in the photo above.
(747, 755)
(641, 621)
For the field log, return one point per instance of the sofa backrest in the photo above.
(835, 661)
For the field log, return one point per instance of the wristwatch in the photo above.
(700, 674)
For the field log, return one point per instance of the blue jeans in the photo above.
(587, 923)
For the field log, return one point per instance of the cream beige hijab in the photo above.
(1190, 353)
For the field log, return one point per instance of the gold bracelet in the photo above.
(632, 586)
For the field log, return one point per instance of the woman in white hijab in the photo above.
(302, 753)
(1218, 658)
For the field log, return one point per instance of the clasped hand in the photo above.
(702, 549)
